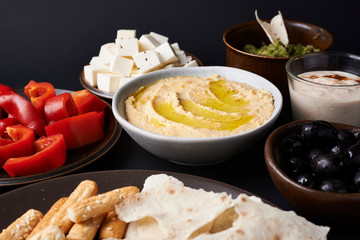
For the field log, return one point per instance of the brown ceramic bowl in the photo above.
(324, 207)
(271, 68)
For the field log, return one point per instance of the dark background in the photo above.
(51, 41)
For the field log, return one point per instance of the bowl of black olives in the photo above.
(316, 167)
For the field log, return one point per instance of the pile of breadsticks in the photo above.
(81, 215)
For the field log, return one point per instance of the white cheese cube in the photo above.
(107, 50)
(175, 47)
(166, 53)
(192, 63)
(147, 42)
(108, 82)
(189, 59)
(96, 60)
(125, 33)
(182, 58)
(91, 71)
(147, 61)
(124, 80)
(158, 37)
(126, 47)
(121, 65)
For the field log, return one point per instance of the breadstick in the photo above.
(85, 230)
(84, 190)
(51, 232)
(47, 217)
(112, 227)
(100, 204)
(22, 226)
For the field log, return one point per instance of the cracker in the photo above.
(100, 204)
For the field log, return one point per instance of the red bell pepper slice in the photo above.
(59, 107)
(22, 144)
(87, 102)
(21, 109)
(50, 154)
(38, 92)
(4, 88)
(4, 123)
(79, 130)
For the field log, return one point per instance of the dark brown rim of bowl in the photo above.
(267, 20)
(270, 160)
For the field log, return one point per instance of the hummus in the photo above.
(188, 106)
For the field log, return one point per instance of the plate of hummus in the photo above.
(203, 114)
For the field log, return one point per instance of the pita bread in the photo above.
(275, 29)
(166, 209)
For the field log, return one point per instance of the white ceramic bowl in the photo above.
(195, 151)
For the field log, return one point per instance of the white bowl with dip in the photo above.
(195, 150)
(325, 86)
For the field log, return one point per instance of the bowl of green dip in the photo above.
(248, 48)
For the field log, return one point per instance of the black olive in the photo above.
(319, 133)
(324, 164)
(339, 149)
(293, 164)
(352, 156)
(333, 185)
(292, 144)
(306, 179)
(346, 138)
(313, 152)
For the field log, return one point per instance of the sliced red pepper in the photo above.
(22, 145)
(4, 88)
(50, 154)
(87, 102)
(21, 109)
(38, 92)
(78, 130)
(59, 107)
(5, 141)
(4, 123)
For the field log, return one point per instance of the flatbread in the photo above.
(275, 29)
(166, 209)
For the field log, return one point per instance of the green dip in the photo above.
(278, 49)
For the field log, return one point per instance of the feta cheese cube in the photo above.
(91, 71)
(125, 33)
(96, 60)
(126, 47)
(175, 47)
(147, 61)
(107, 50)
(121, 65)
(182, 58)
(166, 54)
(158, 37)
(108, 82)
(147, 42)
(192, 63)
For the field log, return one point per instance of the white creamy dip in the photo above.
(334, 97)
(331, 77)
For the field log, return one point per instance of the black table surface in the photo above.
(52, 40)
